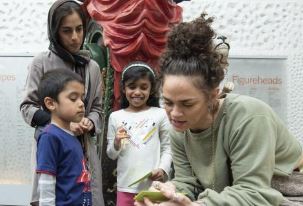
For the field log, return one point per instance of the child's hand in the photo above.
(86, 124)
(121, 134)
(157, 175)
(76, 128)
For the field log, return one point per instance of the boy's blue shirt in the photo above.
(60, 154)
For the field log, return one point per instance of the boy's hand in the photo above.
(157, 175)
(86, 124)
(121, 134)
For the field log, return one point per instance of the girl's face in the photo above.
(71, 33)
(185, 104)
(137, 93)
(70, 106)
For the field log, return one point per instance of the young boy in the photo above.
(61, 164)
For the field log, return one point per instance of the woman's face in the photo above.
(185, 104)
(71, 33)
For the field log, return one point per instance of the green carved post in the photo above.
(100, 54)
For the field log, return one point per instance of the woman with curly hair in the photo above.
(225, 150)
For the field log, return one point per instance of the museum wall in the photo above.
(260, 28)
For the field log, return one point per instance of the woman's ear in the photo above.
(214, 100)
(215, 94)
(49, 103)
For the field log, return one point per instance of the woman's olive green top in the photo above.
(251, 145)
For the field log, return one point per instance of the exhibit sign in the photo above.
(263, 78)
(16, 136)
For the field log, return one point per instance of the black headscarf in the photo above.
(77, 60)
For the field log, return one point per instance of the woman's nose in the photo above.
(74, 35)
(176, 112)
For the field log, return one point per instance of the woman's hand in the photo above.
(183, 202)
(76, 128)
(86, 124)
(157, 175)
(168, 190)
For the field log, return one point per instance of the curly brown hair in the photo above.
(190, 52)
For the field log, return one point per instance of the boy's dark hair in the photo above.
(54, 82)
(134, 72)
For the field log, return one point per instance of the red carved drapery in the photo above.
(134, 30)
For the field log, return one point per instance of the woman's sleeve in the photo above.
(252, 156)
(111, 133)
(30, 106)
(184, 179)
(165, 151)
(95, 114)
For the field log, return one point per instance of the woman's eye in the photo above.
(168, 103)
(187, 105)
(79, 29)
(66, 31)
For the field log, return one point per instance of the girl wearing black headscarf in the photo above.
(66, 33)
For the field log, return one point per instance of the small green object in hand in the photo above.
(141, 179)
(151, 195)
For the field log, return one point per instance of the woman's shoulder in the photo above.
(91, 63)
(249, 105)
(239, 109)
(94, 68)
(87, 55)
(46, 58)
(37, 64)
(94, 64)
(40, 57)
